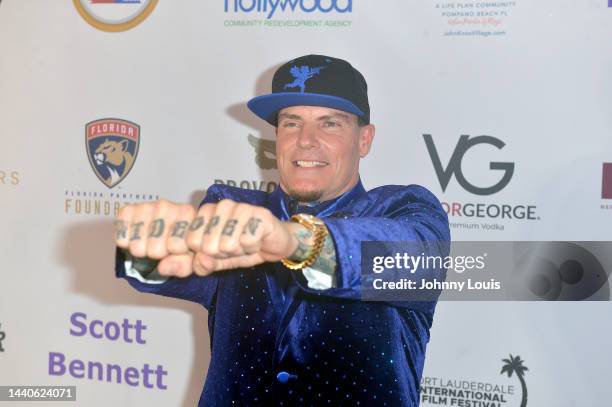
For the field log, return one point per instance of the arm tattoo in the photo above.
(251, 226)
(304, 237)
(229, 227)
(157, 228)
(325, 262)
(120, 229)
(179, 229)
(213, 222)
(136, 230)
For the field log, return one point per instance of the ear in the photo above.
(124, 144)
(366, 136)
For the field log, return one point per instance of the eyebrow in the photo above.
(321, 118)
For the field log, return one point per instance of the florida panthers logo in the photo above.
(112, 147)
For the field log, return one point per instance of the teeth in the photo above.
(301, 163)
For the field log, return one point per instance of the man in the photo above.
(287, 322)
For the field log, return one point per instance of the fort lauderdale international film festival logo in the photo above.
(444, 391)
(115, 15)
(112, 148)
(477, 215)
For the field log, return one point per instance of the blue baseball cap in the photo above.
(314, 80)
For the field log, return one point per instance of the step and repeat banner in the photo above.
(502, 108)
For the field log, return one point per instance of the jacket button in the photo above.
(284, 377)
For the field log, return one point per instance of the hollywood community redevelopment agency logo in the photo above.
(115, 15)
(440, 391)
(112, 148)
(270, 7)
(288, 13)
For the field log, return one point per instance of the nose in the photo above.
(307, 138)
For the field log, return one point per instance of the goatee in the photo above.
(305, 196)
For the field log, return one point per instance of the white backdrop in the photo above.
(535, 75)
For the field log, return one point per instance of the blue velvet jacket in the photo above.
(276, 342)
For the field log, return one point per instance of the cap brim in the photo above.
(267, 106)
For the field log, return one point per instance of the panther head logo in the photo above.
(112, 145)
(114, 155)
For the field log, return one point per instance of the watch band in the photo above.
(319, 229)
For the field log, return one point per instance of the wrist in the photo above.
(301, 238)
(311, 240)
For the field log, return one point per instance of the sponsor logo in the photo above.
(477, 211)
(115, 15)
(265, 158)
(10, 177)
(456, 160)
(293, 13)
(515, 365)
(265, 152)
(606, 180)
(96, 203)
(440, 391)
(271, 7)
(2, 337)
(112, 148)
(473, 18)
(606, 185)
(267, 186)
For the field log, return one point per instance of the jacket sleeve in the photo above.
(193, 288)
(389, 214)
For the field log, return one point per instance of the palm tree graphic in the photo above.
(515, 365)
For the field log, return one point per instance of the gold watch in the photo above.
(319, 229)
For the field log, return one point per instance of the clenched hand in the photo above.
(219, 236)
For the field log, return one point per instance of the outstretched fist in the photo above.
(219, 236)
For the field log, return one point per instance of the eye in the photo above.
(290, 125)
(331, 124)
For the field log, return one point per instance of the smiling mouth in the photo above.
(310, 164)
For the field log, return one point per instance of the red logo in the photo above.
(606, 182)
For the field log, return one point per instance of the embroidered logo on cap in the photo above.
(301, 75)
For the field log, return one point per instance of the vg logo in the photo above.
(455, 163)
